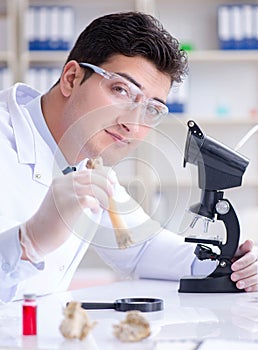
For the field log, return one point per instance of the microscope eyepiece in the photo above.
(219, 167)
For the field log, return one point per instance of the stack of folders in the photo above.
(238, 27)
(49, 27)
(42, 78)
(178, 97)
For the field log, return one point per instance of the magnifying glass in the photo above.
(127, 304)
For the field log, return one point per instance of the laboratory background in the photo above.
(220, 94)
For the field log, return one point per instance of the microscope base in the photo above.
(220, 284)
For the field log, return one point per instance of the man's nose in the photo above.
(132, 120)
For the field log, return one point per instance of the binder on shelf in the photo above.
(67, 24)
(42, 78)
(248, 13)
(30, 28)
(49, 27)
(173, 104)
(54, 28)
(224, 28)
(238, 26)
(255, 11)
(42, 27)
(178, 97)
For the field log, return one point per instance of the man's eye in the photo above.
(152, 110)
(121, 90)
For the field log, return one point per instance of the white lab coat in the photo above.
(25, 176)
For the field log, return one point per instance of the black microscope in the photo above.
(219, 168)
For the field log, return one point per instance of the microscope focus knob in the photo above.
(222, 207)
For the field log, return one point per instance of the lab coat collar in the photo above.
(31, 148)
(19, 95)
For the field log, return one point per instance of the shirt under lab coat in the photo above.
(27, 164)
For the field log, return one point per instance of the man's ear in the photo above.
(70, 75)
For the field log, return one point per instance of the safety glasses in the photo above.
(124, 93)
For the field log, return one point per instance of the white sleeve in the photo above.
(166, 256)
(12, 269)
(162, 255)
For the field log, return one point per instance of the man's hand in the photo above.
(66, 199)
(245, 267)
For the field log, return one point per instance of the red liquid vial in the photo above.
(29, 315)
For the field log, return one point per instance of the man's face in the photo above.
(93, 125)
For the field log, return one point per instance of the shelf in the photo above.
(223, 56)
(45, 56)
(194, 56)
(210, 120)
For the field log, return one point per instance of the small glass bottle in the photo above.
(29, 315)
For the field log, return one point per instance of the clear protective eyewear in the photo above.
(125, 93)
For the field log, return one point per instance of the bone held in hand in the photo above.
(122, 233)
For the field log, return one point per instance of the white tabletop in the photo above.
(186, 316)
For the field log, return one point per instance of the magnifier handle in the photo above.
(97, 305)
(126, 304)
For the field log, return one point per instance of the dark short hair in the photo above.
(130, 34)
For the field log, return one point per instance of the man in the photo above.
(112, 90)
